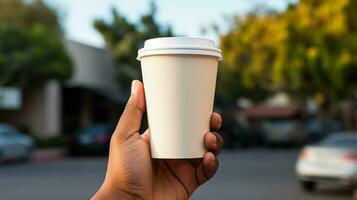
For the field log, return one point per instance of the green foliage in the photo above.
(124, 38)
(31, 48)
(21, 14)
(311, 48)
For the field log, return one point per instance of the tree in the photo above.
(248, 50)
(124, 38)
(309, 49)
(322, 47)
(31, 44)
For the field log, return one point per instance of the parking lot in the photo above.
(244, 174)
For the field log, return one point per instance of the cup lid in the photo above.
(179, 45)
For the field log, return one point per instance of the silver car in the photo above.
(332, 161)
(284, 132)
(13, 144)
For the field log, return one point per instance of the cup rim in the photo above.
(179, 45)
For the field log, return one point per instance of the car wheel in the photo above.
(26, 157)
(308, 186)
(355, 193)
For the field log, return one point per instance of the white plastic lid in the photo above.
(179, 45)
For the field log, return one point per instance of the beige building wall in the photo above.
(41, 109)
(93, 66)
(40, 112)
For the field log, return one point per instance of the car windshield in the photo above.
(280, 125)
(341, 141)
(96, 129)
(7, 131)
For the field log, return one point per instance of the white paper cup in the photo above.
(179, 75)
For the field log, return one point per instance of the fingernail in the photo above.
(214, 138)
(219, 119)
(133, 87)
(212, 158)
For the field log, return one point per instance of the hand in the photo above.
(133, 174)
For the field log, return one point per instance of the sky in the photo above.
(186, 17)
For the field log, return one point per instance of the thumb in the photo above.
(130, 120)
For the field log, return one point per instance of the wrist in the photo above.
(109, 192)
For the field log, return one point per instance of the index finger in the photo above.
(216, 121)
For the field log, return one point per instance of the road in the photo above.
(244, 174)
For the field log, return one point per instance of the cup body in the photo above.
(179, 92)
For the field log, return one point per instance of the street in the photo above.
(243, 174)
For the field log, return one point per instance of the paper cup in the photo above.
(179, 76)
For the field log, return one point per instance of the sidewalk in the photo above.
(42, 155)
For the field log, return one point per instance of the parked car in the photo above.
(238, 134)
(332, 161)
(284, 132)
(277, 125)
(14, 145)
(232, 133)
(318, 129)
(93, 139)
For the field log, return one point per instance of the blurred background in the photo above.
(286, 88)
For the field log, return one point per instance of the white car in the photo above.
(14, 144)
(332, 161)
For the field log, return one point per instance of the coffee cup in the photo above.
(179, 76)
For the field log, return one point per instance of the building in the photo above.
(90, 95)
